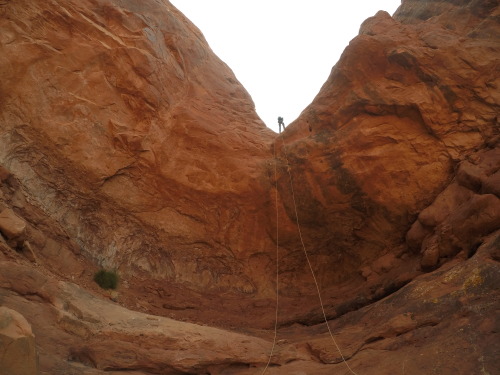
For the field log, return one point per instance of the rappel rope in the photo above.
(307, 258)
(277, 265)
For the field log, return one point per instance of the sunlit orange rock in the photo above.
(18, 353)
(127, 130)
(126, 144)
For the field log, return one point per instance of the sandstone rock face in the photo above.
(412, 99)
(168, 171)
(438, 316)
(83, 329)
(17, 344)
(126, 144)
(11, 225)
(124, 113)
(461, 215)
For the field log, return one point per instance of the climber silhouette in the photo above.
(281, 123)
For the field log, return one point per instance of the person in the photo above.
(281, 123)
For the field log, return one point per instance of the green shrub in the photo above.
(106, 279)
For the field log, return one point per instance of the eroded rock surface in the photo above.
(18, 354)
(126, 144)
(123, 113)
(462, 214)
(437, 317)
(11, 225)
(407, 113)
(84, 329)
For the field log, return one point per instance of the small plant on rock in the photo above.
(106, 279)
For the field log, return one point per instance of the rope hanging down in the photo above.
(277, 265)
(307, 259)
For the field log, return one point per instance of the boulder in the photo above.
(17, 344)
(4, 174)
(11, 225)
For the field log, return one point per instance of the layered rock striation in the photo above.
(126, 144)
(123, 113)
(408, 112)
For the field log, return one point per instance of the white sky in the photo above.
(282, 51)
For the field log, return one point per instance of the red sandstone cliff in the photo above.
(125, 143)
(126, 116)
(411, 106)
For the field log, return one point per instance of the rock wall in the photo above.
(126, 144)
(411, 104)
(442, 322)
(166, 173)
(124, 115)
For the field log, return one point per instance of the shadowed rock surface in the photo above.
(126, 144)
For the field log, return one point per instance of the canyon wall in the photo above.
(126, 144)
(126, 129)
(408, 112)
